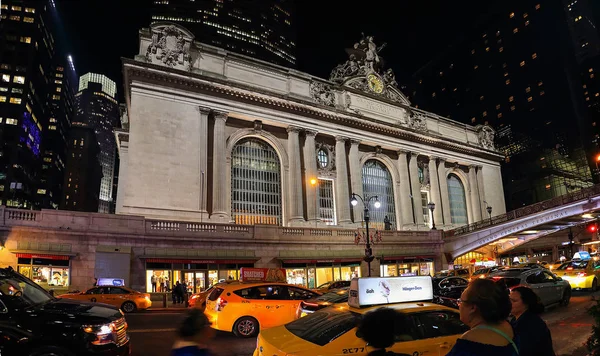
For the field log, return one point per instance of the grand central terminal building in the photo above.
(233, 162)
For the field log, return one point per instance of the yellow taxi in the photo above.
(121, 297)
(583, 272)
(332, 331)
(247, 306)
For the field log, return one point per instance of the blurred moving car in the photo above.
(462, 272)
(34, 323)
(550, 288)
(554, 265)
(580, 273)
(485, 272)
(312, 305)
(124, 298)
(447, 290)
(329, 286)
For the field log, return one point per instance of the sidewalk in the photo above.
(164, 301)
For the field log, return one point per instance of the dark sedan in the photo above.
(446, 291)
(312, 305)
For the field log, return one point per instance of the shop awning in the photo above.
(61, 256)
(324, 260)
(208, 260)
(413, 258)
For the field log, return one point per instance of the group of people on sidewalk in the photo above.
(485, 306)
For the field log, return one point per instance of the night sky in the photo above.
(100, 32)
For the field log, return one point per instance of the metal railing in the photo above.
(579, 195)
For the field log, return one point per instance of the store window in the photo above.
(255, 183)
(377, 181)
(458, 203)
(50, 274)
(315, 276)
(396, 269)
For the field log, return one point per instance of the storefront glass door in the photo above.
(200, 282)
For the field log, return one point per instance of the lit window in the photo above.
(4, 7)
(433, 95)
(58, 89)
(17, 91)
(18, 79)
(16, 8)
(512, 108)
(504, 65)
(525, 15)
(476, 66)
(481, 97)
(473, 120)
(530, 99)
(534, 56)
(537, 7)
(527, 23)
(507, 81)
(484, 114)
(512, 14)
(52, 127)
(55, 97)
(591, 70)
(592, 75)
(15, 18)
(597, 94)
(26, 39)
(28, 19)
(548, 186)
(498, 107)
(501, 49)
(516, 30)
(29, 9)
(2, 99)
(11, 121)
(58, 81)
(522, 64)
(3, 89)
(587, 98)
(487, 49)
(15, 100)
(472, 51)
(499, 115)
(528, 89)
(41, 191)
(540, 83)
(505, 74)
(6, 78)
(511, 99)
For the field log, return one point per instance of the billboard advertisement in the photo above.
(387, 290)
(250, 274)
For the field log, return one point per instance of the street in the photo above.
(152, 332)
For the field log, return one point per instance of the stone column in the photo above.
(295, 181)
(481, 192)
(203, 158)
(475, 213)
(356, 178)
(445, 198)
(415, 189)
(405, 203)
(342, 194)
(220, 190)
(310, 172)
(435, 191)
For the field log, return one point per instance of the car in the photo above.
(485, 272)
(581, 274)
(550, 288)
(529, 265)
(35, 323)
(554, 265)
(127, 299)
(311, 305)
(447, 290)
(433, 328)
(332, 285)
(245, 308)
(461, 272)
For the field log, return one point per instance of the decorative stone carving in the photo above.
(170, 46)
(417, 121)
(378, 150)
(258, 125)
(486, 135)
(329, 170)
(347, 100)
(322, 93)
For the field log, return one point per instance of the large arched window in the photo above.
(377, 180)
(255, 183)
(458, 202)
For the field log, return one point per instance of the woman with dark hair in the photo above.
(380, 328)
(193, 335)
(531, 332)
(484, 306)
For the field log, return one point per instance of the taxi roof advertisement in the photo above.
(250, 274)
(387, 290)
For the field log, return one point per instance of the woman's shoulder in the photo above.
(465, 347)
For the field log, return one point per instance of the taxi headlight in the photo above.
(104, 333)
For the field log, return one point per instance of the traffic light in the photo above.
(592, 228)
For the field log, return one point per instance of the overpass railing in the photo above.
(579, 195)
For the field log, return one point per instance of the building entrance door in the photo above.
(200, 281)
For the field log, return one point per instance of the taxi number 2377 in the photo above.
(353, 350)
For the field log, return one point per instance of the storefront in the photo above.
(407, 266)
(51, 272)
(313, 273)
(163, 273)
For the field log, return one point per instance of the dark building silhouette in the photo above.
(519, 71)
(36, 105)
(83, 170)
(262, 29)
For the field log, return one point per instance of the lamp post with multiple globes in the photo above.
(368, 251)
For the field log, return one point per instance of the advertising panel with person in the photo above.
(386, 290)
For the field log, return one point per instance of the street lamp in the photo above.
(431, 207)
(368, 251)
(489, 210)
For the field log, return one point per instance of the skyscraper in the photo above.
(35, 105)
(262, 29)
(517, 71)
(96, 106)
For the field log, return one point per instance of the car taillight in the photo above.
(221, 303)
(581, 274)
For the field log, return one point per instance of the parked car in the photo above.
(550, 288)
(447, 290)
(312, 305)
(485, 272)
(35, 323)
(461, 272)
(333, 285)
(127, 299)
(581, 274)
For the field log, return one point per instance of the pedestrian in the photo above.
(484, 306)
(174, 292)
(180, 292)
(531, 332)
(95, 282)
(381, 328)
(153, 282)
(193, 335)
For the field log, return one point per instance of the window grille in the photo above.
(425, 209)
(458, 203)
(326, 202)
(377, 180)
(255, 183)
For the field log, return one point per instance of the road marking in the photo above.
(151, 330)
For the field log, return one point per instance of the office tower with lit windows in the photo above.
(517, 71)
(35, 105)
(261, 29)
(96, 106)
(83, 171)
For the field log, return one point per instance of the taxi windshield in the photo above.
(21, 291)
(573, 265)
(324, 326)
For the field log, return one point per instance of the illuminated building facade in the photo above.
(260, 29)
(96, 106)
(517, 72)
(36, 103)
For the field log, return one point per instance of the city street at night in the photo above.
(152, 333)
